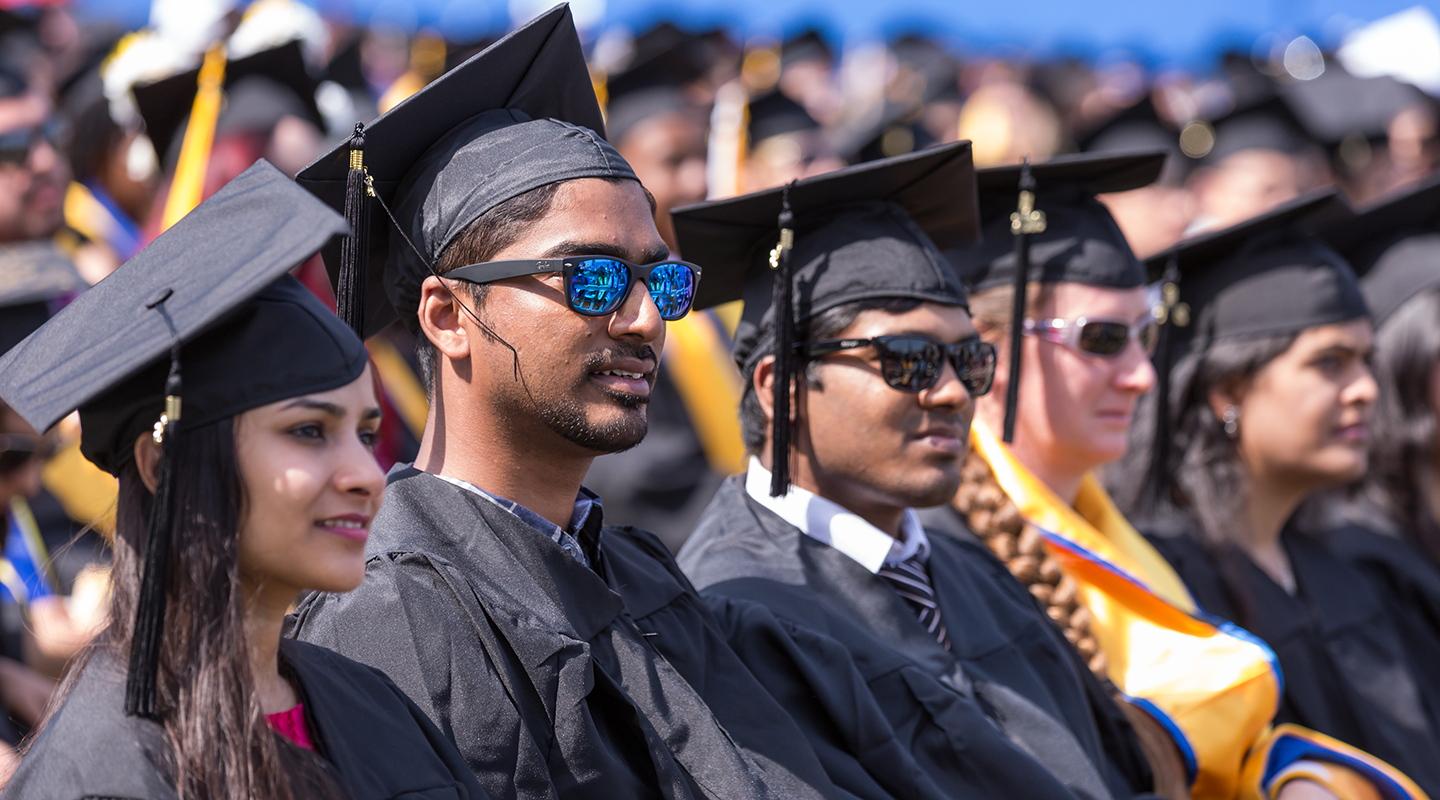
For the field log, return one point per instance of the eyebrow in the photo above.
(571, 249)
(331, 409)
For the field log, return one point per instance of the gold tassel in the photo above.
(189, 182)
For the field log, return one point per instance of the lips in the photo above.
(1357, 433)
(630, 376)
(943, 438)
(355, 527)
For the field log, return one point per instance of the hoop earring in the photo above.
(1231, 419)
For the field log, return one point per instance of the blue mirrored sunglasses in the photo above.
(598, 285)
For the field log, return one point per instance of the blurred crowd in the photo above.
(96, 124)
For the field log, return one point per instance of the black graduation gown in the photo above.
(376, 742)
(556, 681)
(1408, 585)
(888, 709)
(1345, 666)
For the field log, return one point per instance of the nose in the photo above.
(1363, 389)
(948, 392)
(358, 473)
(638, 318)
(1134, 373)
(43, 157)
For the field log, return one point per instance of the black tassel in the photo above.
(355, 249)
(784, 349)
(1171, 313)
(143, 676)
(1025, 221)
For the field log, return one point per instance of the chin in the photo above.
(935, 486)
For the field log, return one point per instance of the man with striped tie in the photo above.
(916, 664)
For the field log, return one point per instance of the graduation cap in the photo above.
(794, 252)
(1337, 105)
(1043, 223)
(210, 293)
(1266, 124)
(775, 114)
(652, 80)
(517, 116)
(1394, 245)
(32, 274)
(260, 89)
(1267, 275)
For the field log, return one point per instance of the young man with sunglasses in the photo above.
(916, 665)
(565, 659)
(33, 172)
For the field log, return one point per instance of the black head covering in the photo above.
(652, 80)
(1044, 219)
(1337, 105)
(864, 232)
(1267, 124)
(1267, 275)
(1394, 245)
(775, 114)
(32, 274)
(1081, 242)
(519, 115)
(259, 89)
(212, 293)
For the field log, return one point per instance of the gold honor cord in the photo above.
(188, 186)
(699, 361)
(401, 386)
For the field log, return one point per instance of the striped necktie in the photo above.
(911, 580)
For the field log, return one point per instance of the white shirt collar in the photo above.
(828, 522)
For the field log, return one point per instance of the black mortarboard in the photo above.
(210, 293)
(775, 114)
(31, 275)
(1394, 245)
(1043, 223)
(863, 232)
(520, 115)
(1268, 275)
(808, 45)
(661, 56)
(1267, 124)
(268, 84)
(1337, 105)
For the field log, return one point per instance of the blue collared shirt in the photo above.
(585, 503)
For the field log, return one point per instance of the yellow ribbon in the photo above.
(1213, 686)
(188, 186)
(401, 386)
(698, 359)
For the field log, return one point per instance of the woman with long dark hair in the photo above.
(1270, 401)
(1201, 692)
(238, 414)
(1390, 527)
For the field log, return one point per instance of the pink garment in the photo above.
(291, 725)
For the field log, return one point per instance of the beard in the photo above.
(566, 414)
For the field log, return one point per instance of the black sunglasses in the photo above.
(18, 449)
(912, 362)
(598, 285)
(16, 146)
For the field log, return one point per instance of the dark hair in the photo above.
(490, 233)
(1404, 429)
(754, 425)
(221, 746)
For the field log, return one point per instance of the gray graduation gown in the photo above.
(554, 680)
(1005, 713)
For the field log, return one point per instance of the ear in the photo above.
(441, 320)
(147, 458)
(764, 383)
(1229, 393)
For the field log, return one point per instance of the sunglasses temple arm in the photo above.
(423, 260)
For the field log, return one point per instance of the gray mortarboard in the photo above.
(1046, 218)
(1341, 111)
(775, 114)
(1266, 124)
(210, 293)
(32, 275)
(1140, 127)
(793, 252)
(1267, 275)
(1394, 245)
(517, 116)
(259, 90)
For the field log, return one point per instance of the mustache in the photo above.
(623, 350)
